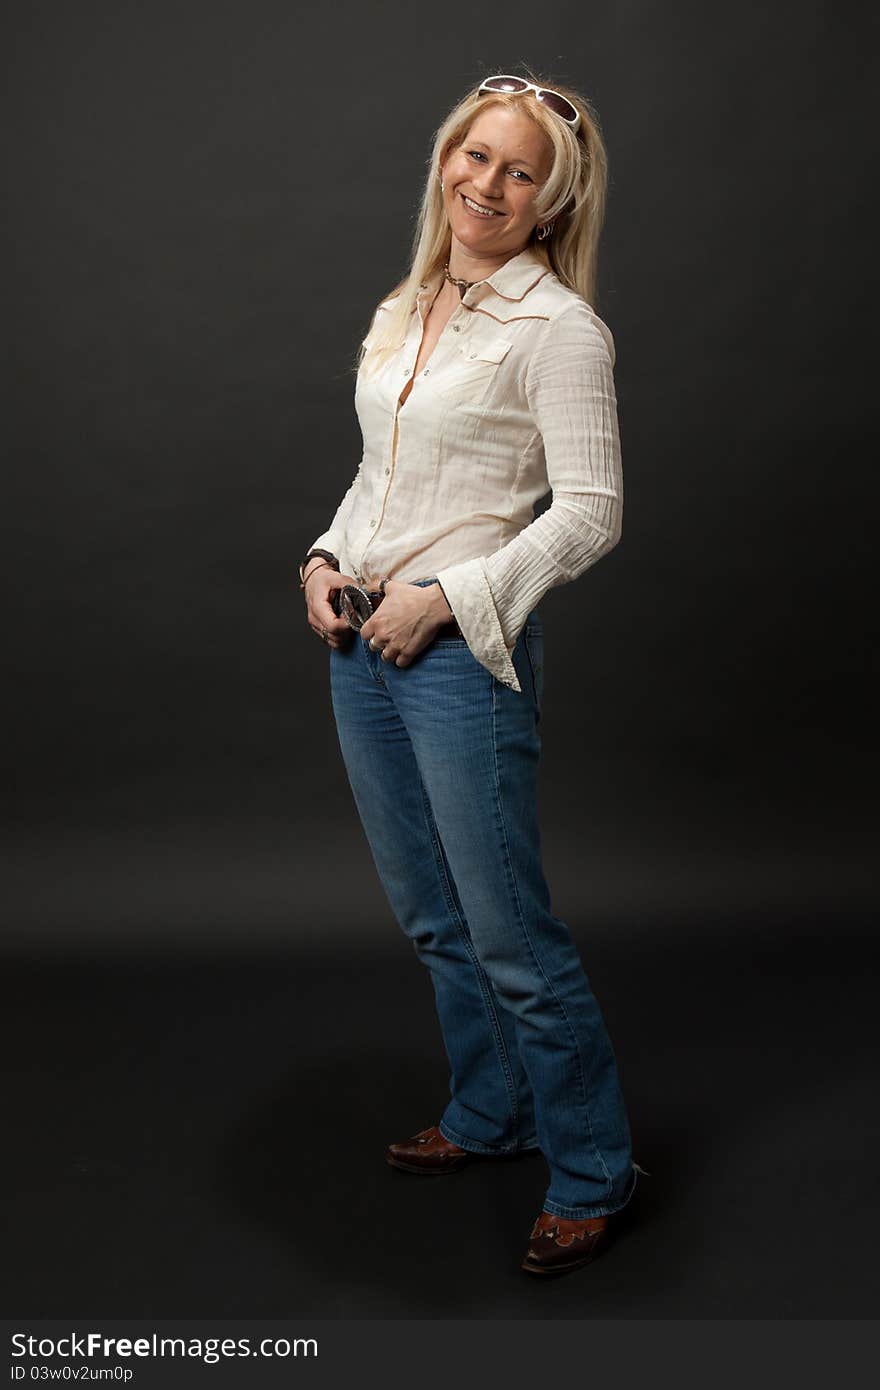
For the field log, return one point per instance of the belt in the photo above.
(445, 631)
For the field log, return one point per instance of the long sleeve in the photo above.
(332, 538)
(570, 390)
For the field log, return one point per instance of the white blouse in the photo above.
(517, 399)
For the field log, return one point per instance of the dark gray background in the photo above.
(204, 203)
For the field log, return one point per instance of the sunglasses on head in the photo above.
(554, 100)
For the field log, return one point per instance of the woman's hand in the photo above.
(321, 582)
(406, 620)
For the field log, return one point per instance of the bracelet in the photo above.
(325, 554)
(323, 565)
(443, 592)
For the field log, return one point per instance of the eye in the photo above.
(478, 154)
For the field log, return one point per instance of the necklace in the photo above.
(461, 285)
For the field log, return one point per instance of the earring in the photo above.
(545, 230)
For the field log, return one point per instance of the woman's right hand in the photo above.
(321, 581)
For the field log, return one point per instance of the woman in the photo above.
(485, 379)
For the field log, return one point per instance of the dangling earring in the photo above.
(545, 230)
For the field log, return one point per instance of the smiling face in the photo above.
(501, 164)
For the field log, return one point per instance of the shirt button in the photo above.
(456, 328)
(387, 470)
(372, 523)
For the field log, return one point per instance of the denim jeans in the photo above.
(442, 758)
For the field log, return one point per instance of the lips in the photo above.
(486, 216)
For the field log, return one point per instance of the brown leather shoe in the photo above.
(558, 1245)
(427, 1152)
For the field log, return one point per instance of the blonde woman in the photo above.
(484, 381)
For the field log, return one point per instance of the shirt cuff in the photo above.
(469, 595)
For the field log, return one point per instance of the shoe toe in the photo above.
(426, 1152)
(557, 1245)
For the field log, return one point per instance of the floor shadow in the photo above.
(197, 1138)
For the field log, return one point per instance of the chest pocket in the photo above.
(467, 379)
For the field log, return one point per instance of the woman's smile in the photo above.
(479, 209)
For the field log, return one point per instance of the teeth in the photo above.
(484, 212)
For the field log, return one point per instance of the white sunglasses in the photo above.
(517, 85)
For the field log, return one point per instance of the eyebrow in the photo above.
(527, 162)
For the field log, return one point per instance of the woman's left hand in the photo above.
(406, 620)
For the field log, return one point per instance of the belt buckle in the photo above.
(356, 605)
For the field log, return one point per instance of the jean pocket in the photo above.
(534, 644)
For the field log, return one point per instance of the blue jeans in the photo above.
(442, 758)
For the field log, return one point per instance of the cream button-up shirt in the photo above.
(517, 399)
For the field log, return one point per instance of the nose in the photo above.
(488, 182)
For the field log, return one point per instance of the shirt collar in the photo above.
(512, 281)
(517, 276)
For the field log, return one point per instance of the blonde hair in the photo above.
(573, 196)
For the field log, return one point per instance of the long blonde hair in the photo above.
(573, 195)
